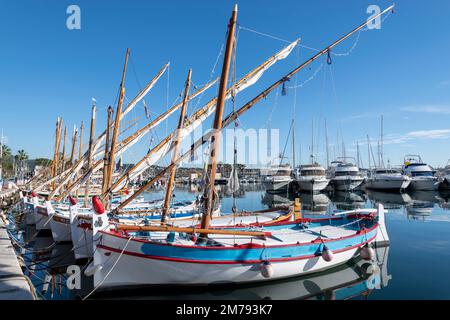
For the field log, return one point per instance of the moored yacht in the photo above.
(421, 174)
(387, 179)
(312, 177)
(278, 179)
(345, 176)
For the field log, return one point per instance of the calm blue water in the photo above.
(414, 266)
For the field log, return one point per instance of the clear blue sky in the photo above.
(401, 71)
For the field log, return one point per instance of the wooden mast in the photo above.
(217, 126)
(63, 156)
(112, 155)
(176, 150)
(74, 143)
(56, 154)
(91, 141)
(106, 156)
(80, 147)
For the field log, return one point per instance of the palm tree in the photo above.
(22, 155)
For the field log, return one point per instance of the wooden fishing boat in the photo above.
(276, 251)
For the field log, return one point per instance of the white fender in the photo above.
(367, 253)
(327, 254)
(266, 269)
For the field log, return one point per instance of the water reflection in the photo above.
(348, 200)
(314, 203)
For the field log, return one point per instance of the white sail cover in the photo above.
(99, 141)
(152, 157)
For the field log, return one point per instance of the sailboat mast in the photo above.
(117, 123)
(293, 144)
(74, 142)
(312, 141)
(176, 150)
(327, 144)
(106, 156)
(215, 139)
(89, 163)
(63, 156)
(80, 147)
(368, 150)
(56, 154)
(381, 143)
(357, 155)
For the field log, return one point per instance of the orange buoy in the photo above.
(98, 205)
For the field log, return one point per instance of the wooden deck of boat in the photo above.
(13, 284)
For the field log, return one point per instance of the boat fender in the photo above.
(72, 200)
(92, 269)
(33, 194)
(367, 252)
(98, 205)
(327, 254)
(266, 269)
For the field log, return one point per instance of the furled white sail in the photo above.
(99, 141)
(202, 114)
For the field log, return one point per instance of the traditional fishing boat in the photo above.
(126, 255)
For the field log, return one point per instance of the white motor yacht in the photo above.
(312, 177)
(278, 179)
(421, 174)
(387, 179)
(345, 176)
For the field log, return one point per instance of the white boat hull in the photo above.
(388, 184)
(60, 229)
(347, 184)
(312, 184)
(42, 218)
(81, 240)
(423, 183)
(147, 271)
(276, 186)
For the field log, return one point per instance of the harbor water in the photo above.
(413, 266)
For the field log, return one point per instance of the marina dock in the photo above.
(13, 284)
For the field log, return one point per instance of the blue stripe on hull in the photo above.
(252, 254)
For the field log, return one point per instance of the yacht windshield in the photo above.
(312, 173)
(422, 174)
(347, 173)
(386, 171)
